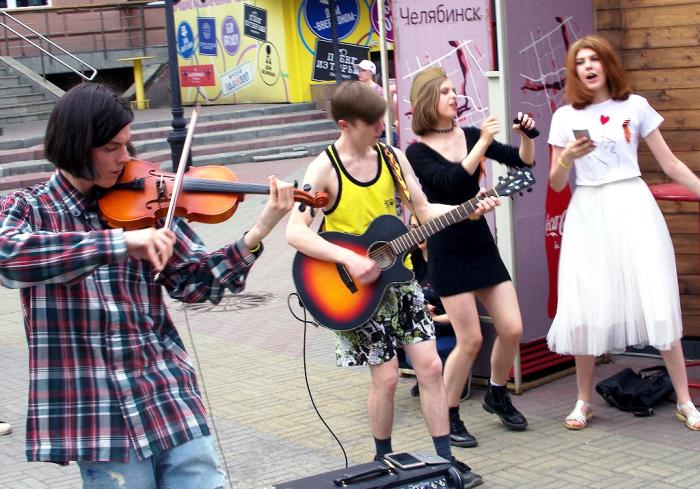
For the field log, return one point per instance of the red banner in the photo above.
(197, 76)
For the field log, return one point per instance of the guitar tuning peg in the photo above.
(296, 183)
(306, 187)
(313, 212)
(302, 207)
(501, 178)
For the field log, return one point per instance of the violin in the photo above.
(209, 194)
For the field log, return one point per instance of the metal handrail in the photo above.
(49, 41)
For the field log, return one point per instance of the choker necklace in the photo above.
(442, 131)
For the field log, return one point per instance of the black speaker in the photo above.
(377, 475)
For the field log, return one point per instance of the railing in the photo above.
(90, 29)
(50, 43)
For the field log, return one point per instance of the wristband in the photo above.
(562, 164)
(256, 248)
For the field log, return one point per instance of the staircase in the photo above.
(221, 138)
(20, 100)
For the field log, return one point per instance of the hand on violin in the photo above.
(150, 244)
(278, 205)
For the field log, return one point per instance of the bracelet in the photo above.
(256, 248)
(562, 164)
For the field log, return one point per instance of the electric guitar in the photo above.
(338, 302)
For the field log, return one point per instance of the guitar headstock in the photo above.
(517, 181)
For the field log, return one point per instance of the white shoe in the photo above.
(578, 418)
(5, 428)
(689, 414)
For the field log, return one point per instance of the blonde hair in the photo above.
(425, 94)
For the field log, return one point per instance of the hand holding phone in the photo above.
(582, 133)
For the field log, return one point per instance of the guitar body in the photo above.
(334, 299)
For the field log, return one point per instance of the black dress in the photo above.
(464, 256)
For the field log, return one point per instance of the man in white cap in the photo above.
(366, 70)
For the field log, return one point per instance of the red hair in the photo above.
(575, 92)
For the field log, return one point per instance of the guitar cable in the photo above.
(306, 322)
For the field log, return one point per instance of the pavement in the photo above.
(253, 357)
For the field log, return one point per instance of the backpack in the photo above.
(636, 392)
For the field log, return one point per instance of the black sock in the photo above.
(382, 446)
(442, 446)
(454, 412)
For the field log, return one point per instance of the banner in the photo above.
(452, 34)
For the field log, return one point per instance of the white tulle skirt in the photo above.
(617, 273)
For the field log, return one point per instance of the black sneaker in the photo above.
(497, 401)
(459, 436)
(466, 476)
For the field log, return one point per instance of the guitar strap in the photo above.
(397, 174)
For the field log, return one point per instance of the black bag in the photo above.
(636, 392)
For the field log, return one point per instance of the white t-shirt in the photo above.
(615, 128)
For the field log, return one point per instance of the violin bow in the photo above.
(180, 175)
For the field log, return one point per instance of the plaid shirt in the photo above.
(107, 368)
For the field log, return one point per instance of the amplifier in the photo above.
(377, 475)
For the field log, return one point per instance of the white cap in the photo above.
(367, 65)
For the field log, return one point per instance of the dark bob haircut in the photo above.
(88, 116)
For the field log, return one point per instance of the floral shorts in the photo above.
(402, 319)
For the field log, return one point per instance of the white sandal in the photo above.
(579, 415)
(692, 419)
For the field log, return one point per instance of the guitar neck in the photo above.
(411, 239)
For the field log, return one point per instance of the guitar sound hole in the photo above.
(382, 254)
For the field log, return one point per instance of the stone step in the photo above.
(252, 134)
(9, 80)
(17, 90)
(8, 101)
(157, 137)
(30, 108)
(204, 116)
(232, 124)
(22, 181)
(21, 119)
(42, 169)
(244, 150)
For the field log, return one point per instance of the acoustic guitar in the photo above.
(338, 302)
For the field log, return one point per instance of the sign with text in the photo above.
(197, 76)
(318, 17)
(255, 22)
(348, 56)
(237, 78)
(207, 35)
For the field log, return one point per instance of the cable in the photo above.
(206, 397)
(306, 322)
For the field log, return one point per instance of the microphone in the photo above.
(531, 133)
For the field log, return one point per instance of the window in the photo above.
(10, 4)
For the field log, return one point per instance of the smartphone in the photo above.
(404, 460)
(582, 133)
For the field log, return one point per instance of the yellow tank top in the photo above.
(359, 203)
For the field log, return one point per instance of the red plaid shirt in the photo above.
(107, 368)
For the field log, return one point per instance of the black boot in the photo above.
(467, 477)
(497, 401)
(459, 436)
